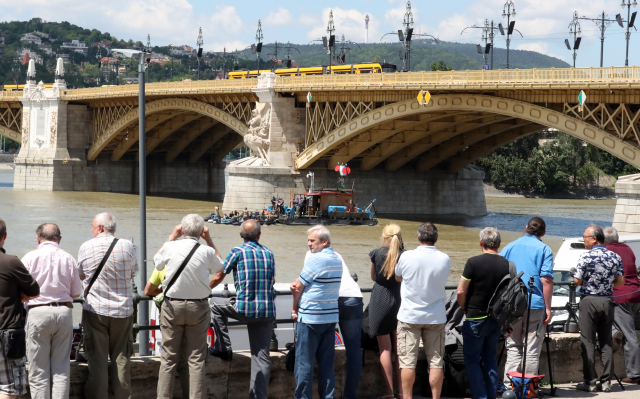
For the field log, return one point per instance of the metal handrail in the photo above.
(570, 325)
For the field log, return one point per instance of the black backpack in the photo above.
(509, 301)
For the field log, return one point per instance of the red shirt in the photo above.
(631, 282)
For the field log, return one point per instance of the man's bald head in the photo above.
(48, 232)
(250, 230)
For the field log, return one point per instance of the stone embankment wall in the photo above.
(627, 217)
(121, 176)
(400, 192)
(231, 379)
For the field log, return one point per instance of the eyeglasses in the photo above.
(583, 237)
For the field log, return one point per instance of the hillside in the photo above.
(82, 69)
(459, 56)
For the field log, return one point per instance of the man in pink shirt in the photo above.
(49, 320)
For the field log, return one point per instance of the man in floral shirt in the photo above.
(598, 271)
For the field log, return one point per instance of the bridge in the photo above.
(293, 124)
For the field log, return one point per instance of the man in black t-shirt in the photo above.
(481, 332)
(16, 287)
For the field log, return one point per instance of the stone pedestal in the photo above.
(627, 217)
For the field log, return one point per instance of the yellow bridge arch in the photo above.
(164, 105)
(450, 144)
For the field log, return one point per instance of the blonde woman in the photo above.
(385, 303)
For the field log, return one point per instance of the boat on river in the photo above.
(330, 206)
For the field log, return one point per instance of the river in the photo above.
(23, 211)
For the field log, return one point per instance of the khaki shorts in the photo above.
(409, 344)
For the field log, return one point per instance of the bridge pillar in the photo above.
(276, 133)
(627, 215)
(44, 161)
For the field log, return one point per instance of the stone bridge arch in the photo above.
(484, 122)
(172, 106)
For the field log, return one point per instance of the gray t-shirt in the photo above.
(424, 273)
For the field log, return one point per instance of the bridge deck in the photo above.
(516, 79)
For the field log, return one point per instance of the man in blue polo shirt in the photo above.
(315, 308)
(534, 258)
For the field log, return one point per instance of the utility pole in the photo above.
(509, 11)
(575, 30)
(200, 42)
(630, 22)
(366, 29)
(491, 35)
(602, 22)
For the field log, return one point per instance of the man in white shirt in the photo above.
(49, 322)
(423, 272)
(185, 310)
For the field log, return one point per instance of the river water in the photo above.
(23, 211)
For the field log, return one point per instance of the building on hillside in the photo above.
(182, 50)
(160, 61)
(31, 38)
(65, 57)
(76, 46)
(101, 45)
(122, 70)
(27, 55)
(45, 49)
(41, 34)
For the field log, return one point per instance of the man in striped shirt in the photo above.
(315, 308)
(107, 310)
(254, 271)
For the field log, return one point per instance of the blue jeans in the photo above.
(315, 341)
(351, 310)
(480, 346)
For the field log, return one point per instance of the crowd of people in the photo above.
(407, 307)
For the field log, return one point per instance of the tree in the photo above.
(440, 66)
(377, 59)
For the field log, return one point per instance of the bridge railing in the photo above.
(10, 95)
(508, 76)
(163, 87)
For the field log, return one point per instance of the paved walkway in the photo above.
(569, 391)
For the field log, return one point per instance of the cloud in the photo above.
(281, 16)
(349, 23)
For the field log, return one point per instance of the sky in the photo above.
(232, 24)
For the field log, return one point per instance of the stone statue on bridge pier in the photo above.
(257, 139)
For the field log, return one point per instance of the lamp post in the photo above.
(508, 11)
(149, 50)
(200, 42)
(575, 30)
(630, 22)
(143, 306)
(406, 36)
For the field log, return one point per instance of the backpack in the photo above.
(509, 301)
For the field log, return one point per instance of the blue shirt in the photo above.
(321, 276)
(598, 269)
(254, 273)
(534, 258)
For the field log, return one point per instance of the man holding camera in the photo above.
(598, 271)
